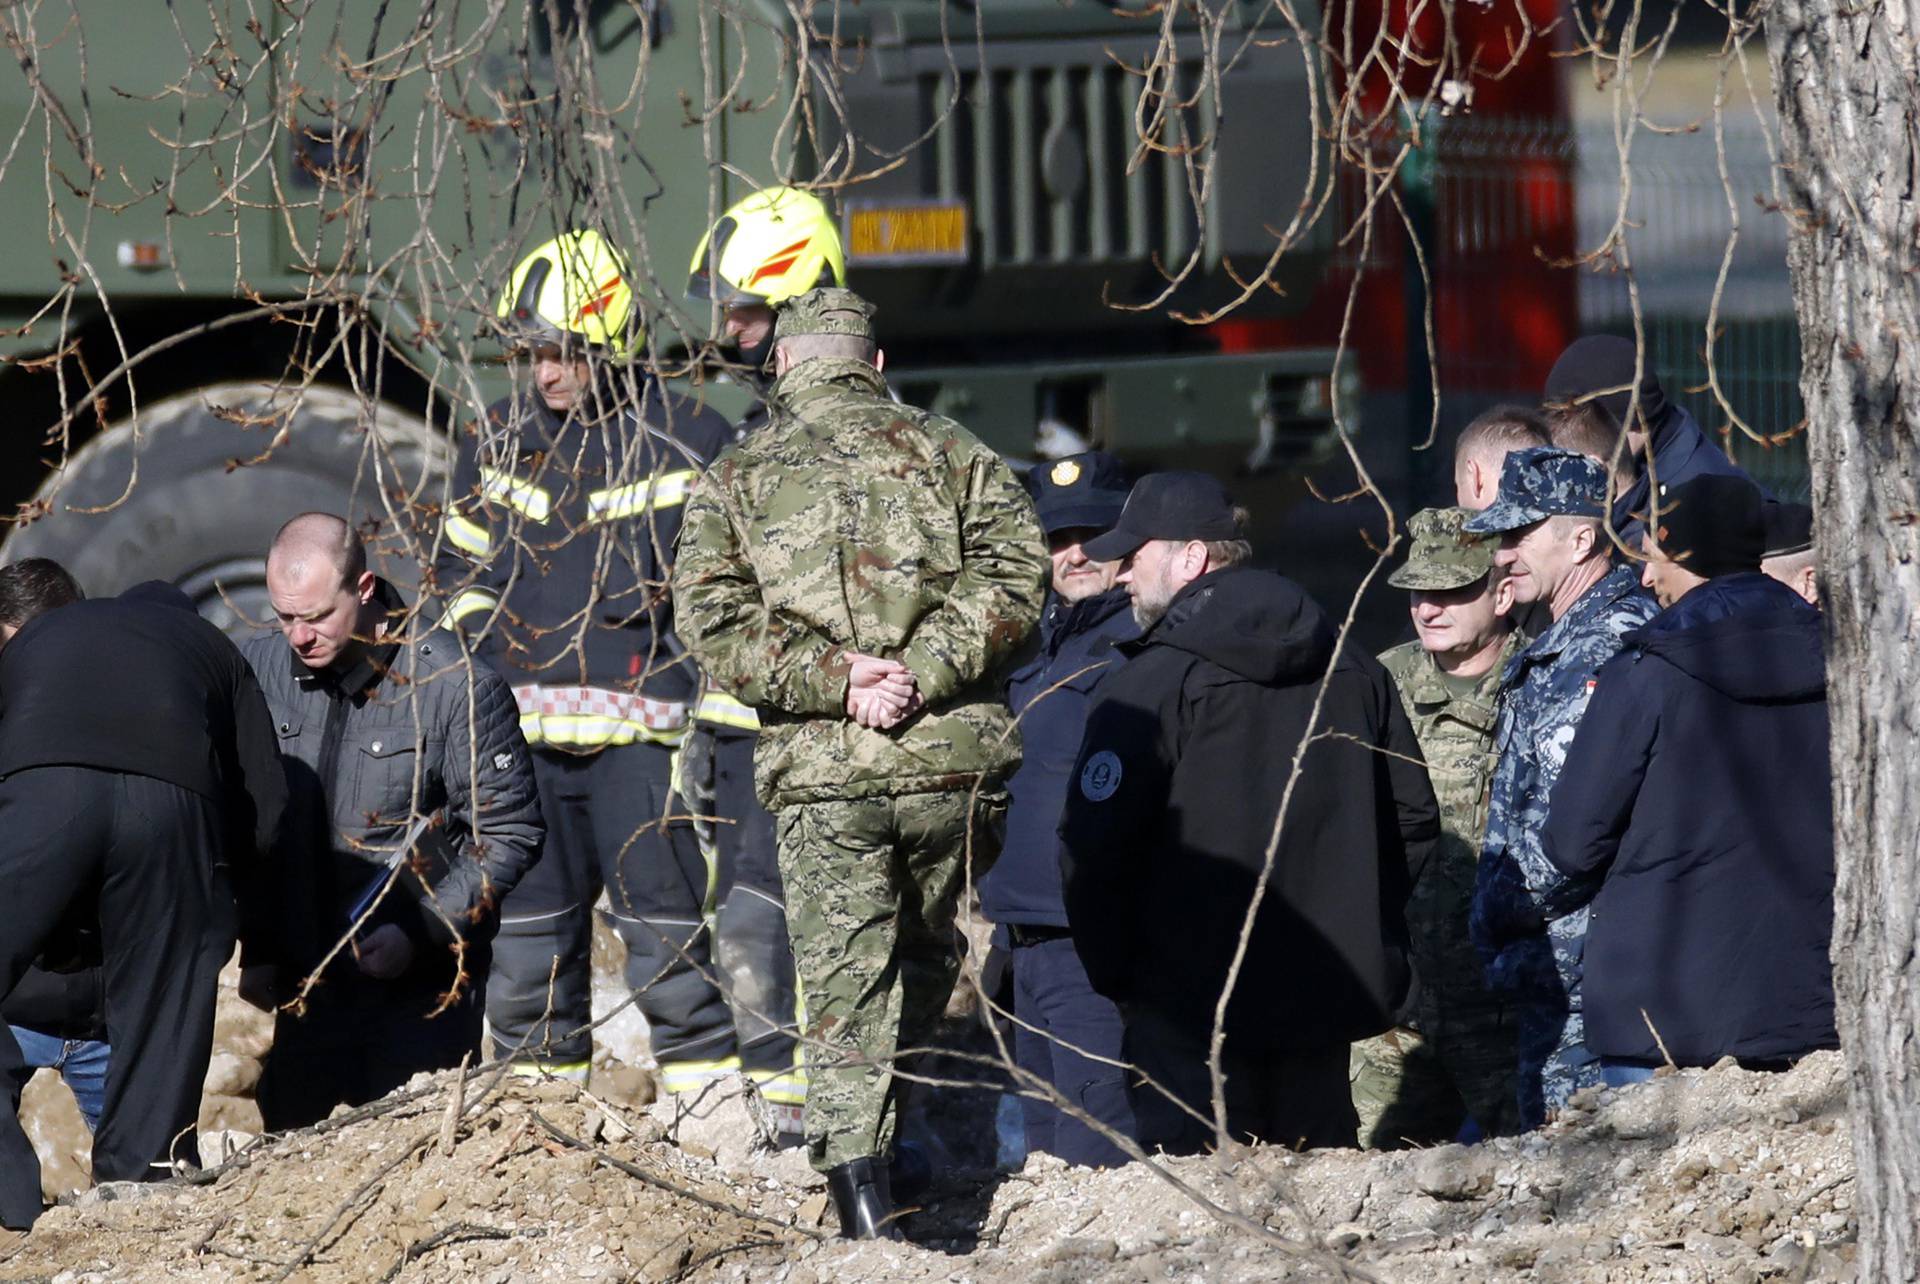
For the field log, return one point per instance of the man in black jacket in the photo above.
(136, 764)
(1069, 1036)
(413, 814)
(1187, 783)
(1696, 799)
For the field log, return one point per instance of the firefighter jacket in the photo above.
(555, 557)
(413, 727)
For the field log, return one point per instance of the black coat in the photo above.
(141, 684)
(1050, 692)
(1186, 763)
(1697, 789)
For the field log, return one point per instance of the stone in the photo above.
(1453, 1173)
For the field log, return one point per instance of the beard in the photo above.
(1150, 602)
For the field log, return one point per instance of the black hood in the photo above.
(158, 593)
(1256, 624)
(1747, 636)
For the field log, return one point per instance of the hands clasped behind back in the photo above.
(881, 694)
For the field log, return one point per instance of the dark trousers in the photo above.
(755, 956)
(1052, 995)
(166, 927)
(1297, 1099)
(359, 1039)
(608, 825)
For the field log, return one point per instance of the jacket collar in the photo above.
(1064, 619)
(1426, 686)
(1617, 583)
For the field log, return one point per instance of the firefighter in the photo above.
(777, 243)
(565, 508)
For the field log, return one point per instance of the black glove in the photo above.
(698, 753)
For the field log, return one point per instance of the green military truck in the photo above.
(253, 249)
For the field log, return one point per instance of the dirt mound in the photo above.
(1715, 1175)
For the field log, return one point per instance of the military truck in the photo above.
(252, 259)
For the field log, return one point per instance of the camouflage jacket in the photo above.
(852, 523)
(1544, 692)
(1456, 738)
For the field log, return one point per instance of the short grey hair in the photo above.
(1222, 553)
(808, 347)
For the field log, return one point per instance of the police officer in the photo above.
(1455, 1058)
(1068, 1036)
(413, 813)
(1555, 551)
(138, 781)
(858, 570)
(775, 244)
(566, 505)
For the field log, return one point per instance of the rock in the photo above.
(231, 1076)
(1081, 1249)
(429, 1202)
(1345, 1237)
(218, 1145)
(1453, 1172)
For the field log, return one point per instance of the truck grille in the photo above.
(1040, 155)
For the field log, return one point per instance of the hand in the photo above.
(880, 693)
(383, 953)
(260, 986)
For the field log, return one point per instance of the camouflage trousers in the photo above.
(1415, 1089)
(1553, 1059)
(872, 885)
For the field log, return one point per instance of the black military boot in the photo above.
(861, 1197)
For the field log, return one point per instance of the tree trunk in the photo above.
(1847, 76)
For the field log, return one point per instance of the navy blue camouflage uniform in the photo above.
(1530, 953)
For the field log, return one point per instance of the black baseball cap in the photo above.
(1084, 490)
(1600, 367)
(1175, 505)
(1789, 528)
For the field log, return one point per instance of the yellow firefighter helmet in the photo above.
(574, 285)
(775, 244)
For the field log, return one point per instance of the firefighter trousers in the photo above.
(754, 953)
(147, 849)
(613, 824)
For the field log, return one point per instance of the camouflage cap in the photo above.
(1445, 555)
(829, 310)
(1540, 482)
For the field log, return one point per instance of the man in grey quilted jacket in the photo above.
(413, 812)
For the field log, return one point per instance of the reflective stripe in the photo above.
(468, 536)
(662, 490)
(591, 716)
(468, 602)
(720, 708)
(783, 1088)
(593, 729)
(685, 1076)
(524, 496)
(575, 1071)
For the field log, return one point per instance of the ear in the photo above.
(879, 359)
(1503, 595)
(364, 587)
(1809, 585)
(782, 361)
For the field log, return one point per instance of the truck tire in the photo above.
(195, 520)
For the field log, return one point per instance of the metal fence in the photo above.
(1516, 209)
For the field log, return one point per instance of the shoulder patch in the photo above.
(1100, 778)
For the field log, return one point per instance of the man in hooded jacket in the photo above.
(1664, 446)
(1186, 768)
(1695, 811)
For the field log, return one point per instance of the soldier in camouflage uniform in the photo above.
(1555, 550)
(1455, 1057)
(857, 570)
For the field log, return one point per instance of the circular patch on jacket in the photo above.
(1101, 776)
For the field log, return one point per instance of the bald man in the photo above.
(413, 813)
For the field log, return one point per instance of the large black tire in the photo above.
(194, 520)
